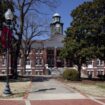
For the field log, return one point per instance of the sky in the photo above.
(65, 10)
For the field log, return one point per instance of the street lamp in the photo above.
(9, 18)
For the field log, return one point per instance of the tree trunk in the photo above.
(17, 54)
(25, 58)
(79, 71)
(14, 58)
(14, 72)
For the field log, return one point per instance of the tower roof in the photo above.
(56, 14)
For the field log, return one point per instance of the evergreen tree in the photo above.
(86, 35)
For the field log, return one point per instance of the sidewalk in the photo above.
(52, 92)
(52, 102)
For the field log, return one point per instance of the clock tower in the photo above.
(56, 26)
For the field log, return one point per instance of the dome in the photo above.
(56, 14)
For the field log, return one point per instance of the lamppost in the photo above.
(9, 18)
(0, 21)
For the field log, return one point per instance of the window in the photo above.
(4, 60)
(56, 19)
(90, 73)
(89, 62)
(3, 71)
(19, 72)
(38, 61)
(19, 62)
(38, 51)
(100, 62)
(28, 62)
(100, 72)
(28, 73)
(57, 28)
(50, 52)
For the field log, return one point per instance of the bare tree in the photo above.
(23, 8)
(31, 30)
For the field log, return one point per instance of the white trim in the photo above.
(90, 70)
(18, 70)
(3, 70)
(29, 70)
(39, 53)
(38, 65)
(96, 67)
(3, 64)
(38, 70)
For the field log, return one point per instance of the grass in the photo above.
(18, 88)
(101, 85)
(96, 89)
(88, 87)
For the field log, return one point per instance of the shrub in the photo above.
(101, 77)
(70, 74)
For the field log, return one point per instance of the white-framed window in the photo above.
(28, 73)
(3, 71)
(28, 61)
(100, 62)
(90, 64)
(57, 28)
(56, 19)
(19, 72)
(90, 73)
(38, 61)
(38, 51)
(39, 72)
(4, 60)
(100, 72)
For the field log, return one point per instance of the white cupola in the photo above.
(56, 25)
(56, 18)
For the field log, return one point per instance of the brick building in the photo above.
(95, 68)
(46, 53)
(43, 52)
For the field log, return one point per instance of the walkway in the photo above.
(52, 92)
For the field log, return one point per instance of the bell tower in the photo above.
(56, 26)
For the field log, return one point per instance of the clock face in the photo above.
(57, 25)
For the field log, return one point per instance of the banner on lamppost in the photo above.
(6, 37)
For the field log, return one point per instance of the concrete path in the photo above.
(52, 90)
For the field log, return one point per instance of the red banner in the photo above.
(6, 37)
